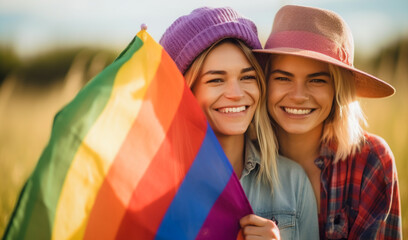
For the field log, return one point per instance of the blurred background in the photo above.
(50, 49)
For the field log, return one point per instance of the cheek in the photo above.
(256, 95)
(270, 103)
(330, 105)
(326, 97)
(202, 97)
(253, 91)
(326, 100)
(272, 94)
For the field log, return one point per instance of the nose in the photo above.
(299, 93)
(234, 90)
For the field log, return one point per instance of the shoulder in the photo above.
(286, 165)
(376, 148)
(291, 174)
(376, 155)
(376, 144)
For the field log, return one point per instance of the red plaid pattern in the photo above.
(359, 197)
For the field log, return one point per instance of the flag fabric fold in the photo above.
(131, 157)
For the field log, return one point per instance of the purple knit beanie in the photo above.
(191, 34)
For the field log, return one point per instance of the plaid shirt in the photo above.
(359, 197)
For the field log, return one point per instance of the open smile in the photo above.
(232, 109)
(298, 111)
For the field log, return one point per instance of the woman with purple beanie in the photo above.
(212, 48)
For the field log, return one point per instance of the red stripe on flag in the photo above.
(166, 172)
(138, 149)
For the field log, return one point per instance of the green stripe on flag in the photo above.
(34, 214)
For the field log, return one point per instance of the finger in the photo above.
(251, 230)
(252, 237)
(267, 230)
(275, 232)
(252, 219)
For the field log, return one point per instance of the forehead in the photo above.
(297, 63)
(225, 56)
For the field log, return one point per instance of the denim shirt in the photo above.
(292, 205)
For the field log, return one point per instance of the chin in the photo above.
(295, 130)
(233, 132)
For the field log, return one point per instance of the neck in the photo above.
(233, 147)
(301, 148)
(304, 149)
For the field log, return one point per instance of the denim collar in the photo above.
(252, 156)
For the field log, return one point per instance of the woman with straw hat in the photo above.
(312, 102)
(212, 49)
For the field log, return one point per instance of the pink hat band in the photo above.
(309, 41)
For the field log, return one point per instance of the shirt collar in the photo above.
(327, 153)
(252, 156)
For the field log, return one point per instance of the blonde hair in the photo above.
(343, 125)
(260, 125)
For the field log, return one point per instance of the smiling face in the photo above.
(227, 90)
(300, 93)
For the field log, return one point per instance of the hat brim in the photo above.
(367, 86)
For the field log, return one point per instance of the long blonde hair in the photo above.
(260, 125)
(343, 125)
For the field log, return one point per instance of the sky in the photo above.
(33, 26)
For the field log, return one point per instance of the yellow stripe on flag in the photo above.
(94, 158)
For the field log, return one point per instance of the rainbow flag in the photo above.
(132, 157)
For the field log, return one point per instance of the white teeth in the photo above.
(232, 109)
(298, 111)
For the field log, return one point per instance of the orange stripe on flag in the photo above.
(139, 148)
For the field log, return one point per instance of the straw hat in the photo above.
(322, 35)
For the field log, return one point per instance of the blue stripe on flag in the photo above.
(203, 184)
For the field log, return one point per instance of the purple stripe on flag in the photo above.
(230, 207)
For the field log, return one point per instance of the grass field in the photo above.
(26, 115)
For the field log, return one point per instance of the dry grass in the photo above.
(26, 116)
(389, 117)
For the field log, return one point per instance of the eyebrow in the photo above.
(318, 74)
(221, 72)
(248, 69)
(214, 72)
(282, 72)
